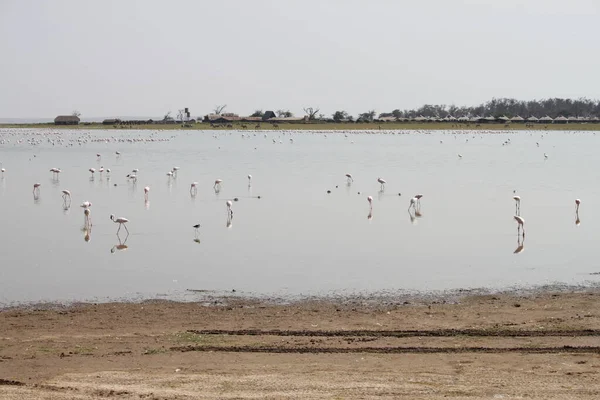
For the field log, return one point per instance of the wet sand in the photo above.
(543, 345)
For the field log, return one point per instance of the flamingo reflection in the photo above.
(121, 246)
(87, 234)
(520, 243)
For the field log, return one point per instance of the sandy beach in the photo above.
(542, 345)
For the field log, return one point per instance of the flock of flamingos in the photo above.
(414, 202)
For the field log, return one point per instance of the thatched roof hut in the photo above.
(532, 119)
(67, 120)
(561, 120)
(517, 119)
(546, 119)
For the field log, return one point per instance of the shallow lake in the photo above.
(296, 238)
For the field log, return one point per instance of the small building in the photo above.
(67, 120)
(561, 120)
(517, 119)
(532, 120)
(546, 120)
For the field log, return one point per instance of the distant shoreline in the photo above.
(371, 126)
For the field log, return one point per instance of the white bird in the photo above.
(349, 178)
(107, 171)
(249, 179)
(217, 183)
(135, 170)
(86, 204)
(229, 210)
(418, 197)
(118, 153)
(370, 200)
(413, 203)
(193, 188)
(382, 182)
(36, 187)
(577, 203)
(55, 171)
(170, 174)
(545, 156)
(146, 191)
(65, 194)
(92, 170)
(121, 221)
(101, 170)
(174, 170)
(133, 177)
(98, 155)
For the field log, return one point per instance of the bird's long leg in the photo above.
(125, 226)
(119, 228)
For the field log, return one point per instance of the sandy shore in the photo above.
(542, 346)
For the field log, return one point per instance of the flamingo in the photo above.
(196, 228)
(517, 200)
(174, 171)
(118, 153)
(121, 221)
(36, 187)
(132, 177)
(101, 170)
(545, 156)
(413, 203)
(86, 204)
(66, 194)
(88, 220)
(55, 172)
(146, 191)
(135, 170)
(521, 223)
(98, 155)
(370, 200)
(92, 170)
(382, 182)
(249, 179)
(349, 178)
(460, 156)
(229, 210)
(217, 183)
(193, 188)
(107, 172)
(2, 170)
(577, 203)
(418, 197)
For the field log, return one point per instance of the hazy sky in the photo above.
(146, 57)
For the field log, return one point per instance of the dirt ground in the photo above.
(539, 346)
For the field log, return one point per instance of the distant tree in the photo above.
(311, 112)
(219, 109)
(284, 114)
(258, 113)
(76, 113)
(367, 116)
(167, 116)
(340, 116)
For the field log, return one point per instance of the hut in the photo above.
(546, 120)
(561, 120)
(67, 120)
(517, 119)
(532, 120)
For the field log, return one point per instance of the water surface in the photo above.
(297, 238)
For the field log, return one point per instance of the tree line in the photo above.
(501, 107)
(553, 107)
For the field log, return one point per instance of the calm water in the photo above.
(296, 239)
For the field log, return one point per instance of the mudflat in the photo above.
(543, 345)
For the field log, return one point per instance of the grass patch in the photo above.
(200, 340)
(161, 350)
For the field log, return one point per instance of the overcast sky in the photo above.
(146, 57)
